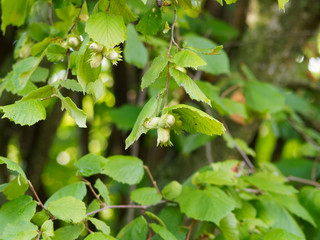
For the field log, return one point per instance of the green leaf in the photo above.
(270, 183)
(39, 75)
(207, 51)
(41, 93)
(309, 198)
(13, 166)
(77, 114)
(41, 46)
(282, 3)
(25, 113)
(218, 178)
(172, 190)
(90, 164)
(145, 196)
(70, 232)
(183, 80)
(162, 232)
(263, 97)
(100, 225)
(124, 169)
(47, 229)
(68, 209)
(106, 29)
(135, 52)
(187, 58)
(137, 229)
(40, 217)
(14, 12)
(103, 191)
(95, 89)
(72, 85)
(77, 190)
(229, 227)
(216, 64)
(16, 188)
(157, 66)
(210, 204)
(150, 109)
(99, 236)
(125, 116)
(15, 211)
(55, 52)
(151, 22)
(121, 8)
(196, 121)
(23, 230)
(280, 234)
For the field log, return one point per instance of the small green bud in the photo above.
(95, 60)
(151, 123)
(164, 137)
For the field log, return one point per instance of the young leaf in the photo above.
(196, 121)
(25, 113)
(187, 58)
(229, 227)
(90, 164)
(172, 190)
(151, 22)
(145, 196)
(68, 209)
(135, 52)
(106, 29)
(13, 166)
(16, 188)
(282, 3)
(100, 225)
(157, 66)
(77, 114)
(103, 191)
(164, 233)
(77, 190)
(70, 232)
(219, 178)
(17, 210)
(20, 230)
(150, 109)
(137, 229)
(183, 80)
(47, 229)
(210, 204)
(40, 93)
(55, 52)
(95, 89)
(71, 84)
(99, 236)
(124, 169)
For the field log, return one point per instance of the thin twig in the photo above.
(229, 90)
(93, 191)
(39, 235)
(314, 168)
(51, 96)
(125, 206)
(190, 229)
(152, 179)
(86, 226)
(39, 201)
(304, 181)
(78, 17)
(209, 152)
(167, 86)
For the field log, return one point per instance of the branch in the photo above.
(125, 206)
(39, 201)
(152, 179)
(39, 235)
(86, 226)
(190, 229)
(76, 22)
(92, 190)
(304, 181)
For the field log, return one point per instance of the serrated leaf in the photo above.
(196, 121)
(100, 225)
(188, 58)
(16, 188)
(124, 169)
(95, 89)
(47, 229)
(121, 8)
(70, 232)
(77, 114)
(77, 190)
(210, 204)
(151, 22)
(172, 190)
(25, 113)
(103, 191)
(135, 52)
(280, 234)
(282, 3)
(99, 236)
(218, 178)
(229, 227)
(183, 80)
(106, 29)
(162, 232)
(145, 196)
(157, 66)
(17, 210)
(68, 209)
(23, 230)
(13, 166)
(207, 51)
(55, 52)
(90, 164)
(137, 229)
(72, 85)
(40, 93)
(150, 109)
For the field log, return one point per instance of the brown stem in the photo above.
(93, 191)
(167, 86)
(76, 22)
(229, 90)
(86, 226)
(152, 179)
(125, 206)
(53, 95)
(39, 201)
(39, 235)
(190, 229)
(315, 167)
(304, 181)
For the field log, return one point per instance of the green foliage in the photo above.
(145, 196)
